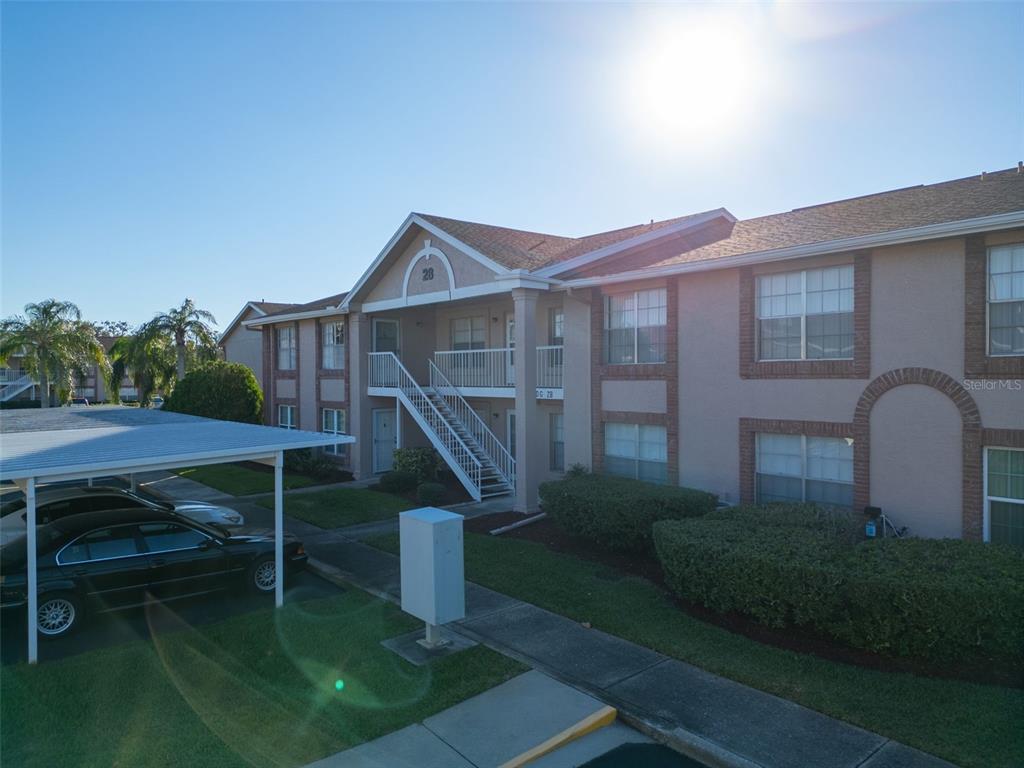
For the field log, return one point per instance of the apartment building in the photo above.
(16, 383)
(863, 352)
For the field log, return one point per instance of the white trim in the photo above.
(471, 252)
(426, 252)
(231, 326)
(986, 526)
(691, 222)
(503, 285)
(258, 322)
(361, 282)
(877, 240)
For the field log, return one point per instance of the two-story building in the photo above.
(862, 352)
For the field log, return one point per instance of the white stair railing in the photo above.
(16, 387)
(477, 367)
(386, 370)
(503, 461)
(549, 367)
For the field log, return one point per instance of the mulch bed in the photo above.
(793, 639)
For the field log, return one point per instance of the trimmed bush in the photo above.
(617, 512)
(790, 565)
(422, 462)
(315, 464)
(430, 494)
(219, 390)
(397, 481)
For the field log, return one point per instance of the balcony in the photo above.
(483, 372)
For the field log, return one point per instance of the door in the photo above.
(182, 560)
(385, 439)
(385, 336)
(110, 566)
(510, 343)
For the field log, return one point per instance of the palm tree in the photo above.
(186, 323)
(56, 346)
(147, 358)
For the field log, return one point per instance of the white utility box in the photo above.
(433, 576)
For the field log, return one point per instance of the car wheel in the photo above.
(57, 615)
(263, 575)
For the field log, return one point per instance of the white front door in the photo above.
(385, 335)
(385, 439)
(510, 342)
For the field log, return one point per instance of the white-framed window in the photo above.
(286, 416)
(635, 326)
(801, 468)
(639, 451)
(556, 327)
(1004, 496)
(1006, 300)
(332, 421)
(469, 332)
(557, 433)
(806, 315)
(332, 345)
(286, 348)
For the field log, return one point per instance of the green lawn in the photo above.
(339, 507)
(968, 724)
(256, 690)
(239, 480)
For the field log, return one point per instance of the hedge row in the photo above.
(617, 512)
(940, 600)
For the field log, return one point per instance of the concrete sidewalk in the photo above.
(710, 718)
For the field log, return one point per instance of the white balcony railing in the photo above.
(496, 367)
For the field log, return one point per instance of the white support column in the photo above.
(527, 414)
(279, 528)
(33, 577)
(398, 423)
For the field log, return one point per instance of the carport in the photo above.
(49, 445)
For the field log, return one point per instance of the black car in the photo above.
(105, 561)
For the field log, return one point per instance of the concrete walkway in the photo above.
(710, 718)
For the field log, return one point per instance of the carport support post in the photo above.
(279, 528)
(33, 588)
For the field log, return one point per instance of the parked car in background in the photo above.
(114, 559)
(157, 402)
(79, 401)
(55, 503)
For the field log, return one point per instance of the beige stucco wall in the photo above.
(245, 345)
(285, 388)
(634, 396)
(308, 416)
(577, 373)
(332, 389)
(467, 271)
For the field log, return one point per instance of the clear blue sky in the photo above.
(235, 151)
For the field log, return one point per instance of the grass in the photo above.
(239, 480)
(966, 723)
(339, 507)
(256, 690)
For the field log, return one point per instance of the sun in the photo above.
(690, 82)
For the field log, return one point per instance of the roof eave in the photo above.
(259, 322)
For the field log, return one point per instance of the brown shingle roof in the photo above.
(521, 249)
(949, 201)
(310, 306)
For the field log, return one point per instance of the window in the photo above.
(806, 315)
(332, 421)
(556, 327)
(557, 442)
(800, 468)
(1006, 300)
(636, 450)
(103, 544)
(332, 340)
(469, 333)
(166, 537)
(635, 327)
(286, 349)
(1004, 496)
(286, 416)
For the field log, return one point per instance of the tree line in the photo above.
(58, 349)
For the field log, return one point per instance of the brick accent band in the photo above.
(971, 430)
(977, 363)
(748, 444)
(857, 368)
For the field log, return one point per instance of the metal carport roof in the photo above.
(51, 444)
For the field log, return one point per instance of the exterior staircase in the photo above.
(483, 465)
(13, 384)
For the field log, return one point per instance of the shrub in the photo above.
(617, 512)
(219, 390)
(314, 464)
(430, 494)
(397, 481)
(422, 462)
(940, 600)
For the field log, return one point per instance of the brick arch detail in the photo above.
(971, 432)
